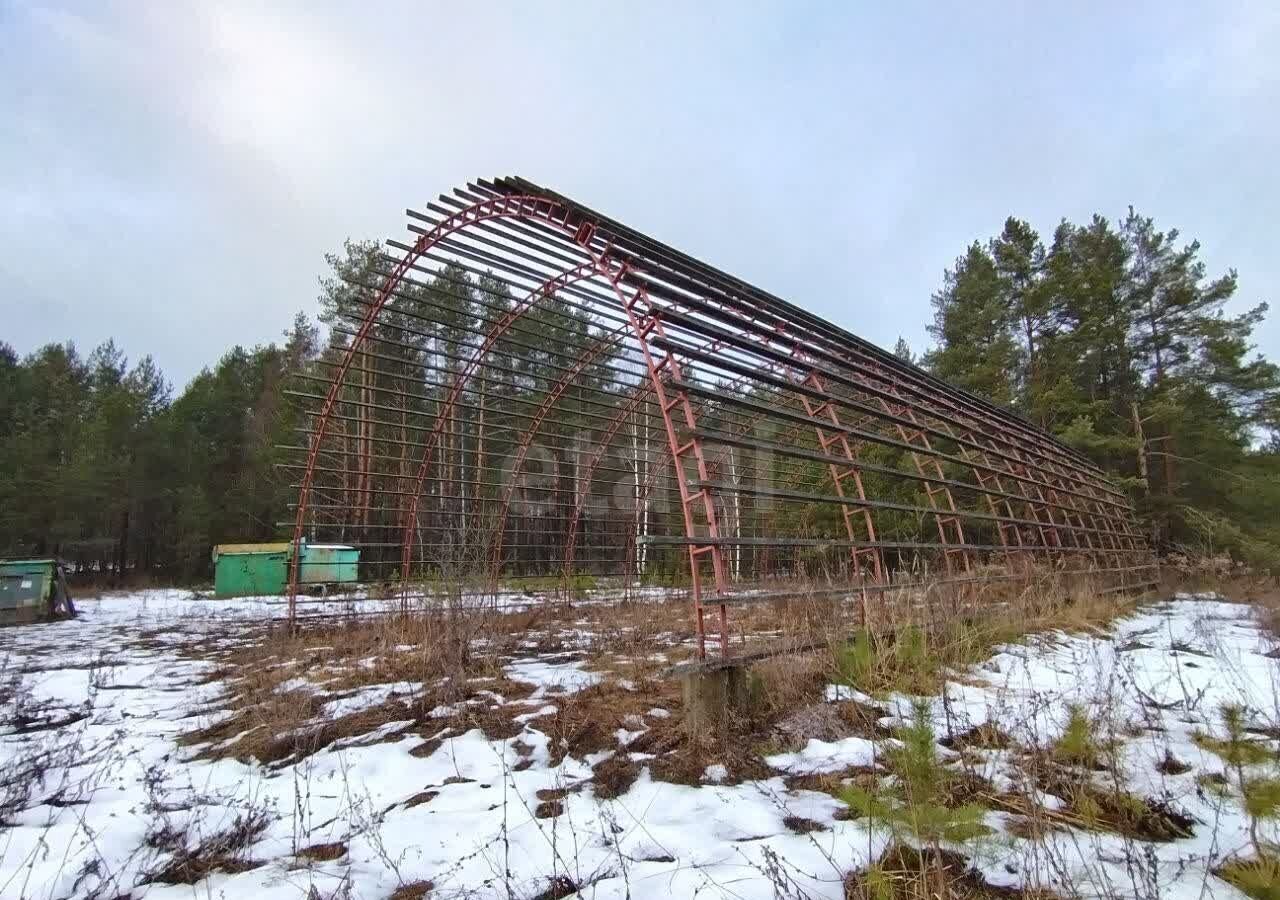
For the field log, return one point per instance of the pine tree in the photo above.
(1019, 257)
(976, 350)
(1122, 348)
(902, 350)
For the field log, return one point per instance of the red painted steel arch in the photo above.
(545, 290)
(642, 323)
(496, 207)
(838, 438)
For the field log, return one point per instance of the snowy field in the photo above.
(100, 798)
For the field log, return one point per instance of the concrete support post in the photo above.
(712, 697)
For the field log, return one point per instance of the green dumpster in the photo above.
(328, 564)
(245, 570)
(33, 590)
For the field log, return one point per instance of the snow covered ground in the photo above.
(99, 796)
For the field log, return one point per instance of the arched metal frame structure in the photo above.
(769, 450)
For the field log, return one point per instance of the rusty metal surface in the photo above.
(604, 406)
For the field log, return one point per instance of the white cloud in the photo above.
(172, 174)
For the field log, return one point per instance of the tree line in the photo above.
(101, 464)
(1111, 336)
(1114, 337)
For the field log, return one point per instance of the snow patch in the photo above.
(554, 677)
(819, 757)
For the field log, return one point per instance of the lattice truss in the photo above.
(526, 393)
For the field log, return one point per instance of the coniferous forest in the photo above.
(1113, 336)
(1110, 334)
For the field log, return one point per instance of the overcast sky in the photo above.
(171, 174)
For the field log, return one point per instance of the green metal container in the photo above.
(328, 564)
(32, 590)
(244, 570)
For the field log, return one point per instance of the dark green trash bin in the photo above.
(244, 570)
(33, 590)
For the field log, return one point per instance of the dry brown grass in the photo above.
(326, 852)
(413, 890)
(907, 873)
(272, 724)
(919, 638)
(188, 859)
(455, 658)
(452, 661)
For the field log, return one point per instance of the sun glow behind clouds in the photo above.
(287, 92)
